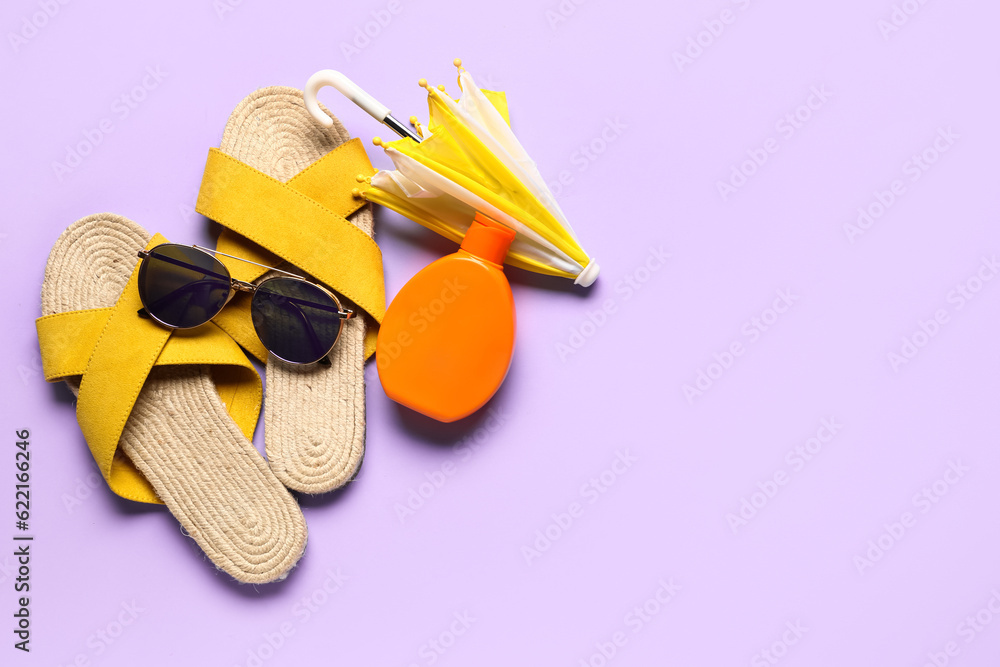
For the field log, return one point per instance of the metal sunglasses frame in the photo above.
(247, 288)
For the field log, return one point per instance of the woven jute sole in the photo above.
(314, 416)
(179, 434)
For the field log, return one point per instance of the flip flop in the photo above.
(166, 414)
(281, 187)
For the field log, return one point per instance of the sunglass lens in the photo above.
(182, 286)
(297, 321)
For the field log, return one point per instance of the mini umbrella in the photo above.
(466, 160)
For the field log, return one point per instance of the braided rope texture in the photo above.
(179, 434)
(314, 416)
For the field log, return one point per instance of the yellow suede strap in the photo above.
(114, 350)
(303, 222)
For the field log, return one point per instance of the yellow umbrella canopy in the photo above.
(467, 159)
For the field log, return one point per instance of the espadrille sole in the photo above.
(314, 416)
(179, 435)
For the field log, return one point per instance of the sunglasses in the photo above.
(185, 286)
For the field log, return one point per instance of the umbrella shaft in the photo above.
(400, 129)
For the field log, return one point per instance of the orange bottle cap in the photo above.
(488, 239)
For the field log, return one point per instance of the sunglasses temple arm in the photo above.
(309, 327)
(344, 314)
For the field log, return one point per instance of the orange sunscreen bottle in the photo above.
(446, 340)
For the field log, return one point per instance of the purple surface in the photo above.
(787, 577)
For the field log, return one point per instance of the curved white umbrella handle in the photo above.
(350, 90)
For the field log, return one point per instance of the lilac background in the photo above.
(564, 420)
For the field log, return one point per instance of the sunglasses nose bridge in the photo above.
(243, 286)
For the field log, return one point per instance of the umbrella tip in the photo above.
(588, 275)
(457, 62)
(422, 83)
(377, 141)
(413, 120)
